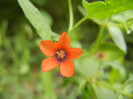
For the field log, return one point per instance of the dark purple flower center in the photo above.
(61, 55)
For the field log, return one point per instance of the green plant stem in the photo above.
(76, 25)
(114, 24)
(47, 80)
(70, 15)
(114, 89)
(99, 38)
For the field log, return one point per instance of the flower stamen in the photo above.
(57, 52)
(61, 55)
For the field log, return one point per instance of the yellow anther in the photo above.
(62, 56)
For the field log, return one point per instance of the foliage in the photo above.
(103, 72)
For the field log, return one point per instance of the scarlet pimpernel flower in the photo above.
(60, 54)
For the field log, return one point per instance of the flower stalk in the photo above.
(99, 39)
(76, 25)
(70, 15)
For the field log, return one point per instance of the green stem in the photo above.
(70, 15)
(47, 80)
(99, 38)
(114, 24)
(114, 89)
(76, 25)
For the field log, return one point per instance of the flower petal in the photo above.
(64, 41)
(74, 53)
(49, 63)
(67, 68)
(48, 47)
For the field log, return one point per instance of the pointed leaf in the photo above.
(109, 52)
(102, 92)
(106, 9)
(87, 66)
(37, 19)
(117, 37)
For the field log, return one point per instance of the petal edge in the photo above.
(48, 47)
(67, 68)
(49, 64)
(74, 53)
(64, 41)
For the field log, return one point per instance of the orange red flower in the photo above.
(60, 54)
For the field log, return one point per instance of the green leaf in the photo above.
(84, 13)
(37, 19)
(128, 86)
(129, 23)
(109, 52)
(102, 92)
(106, 9)
(116, 69)
(81, 86)
(128, 89)
(124, 18)
(87, 66)
(48, 17)
(117, 37)
(126, 28)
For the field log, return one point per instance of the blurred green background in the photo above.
(21, 76)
